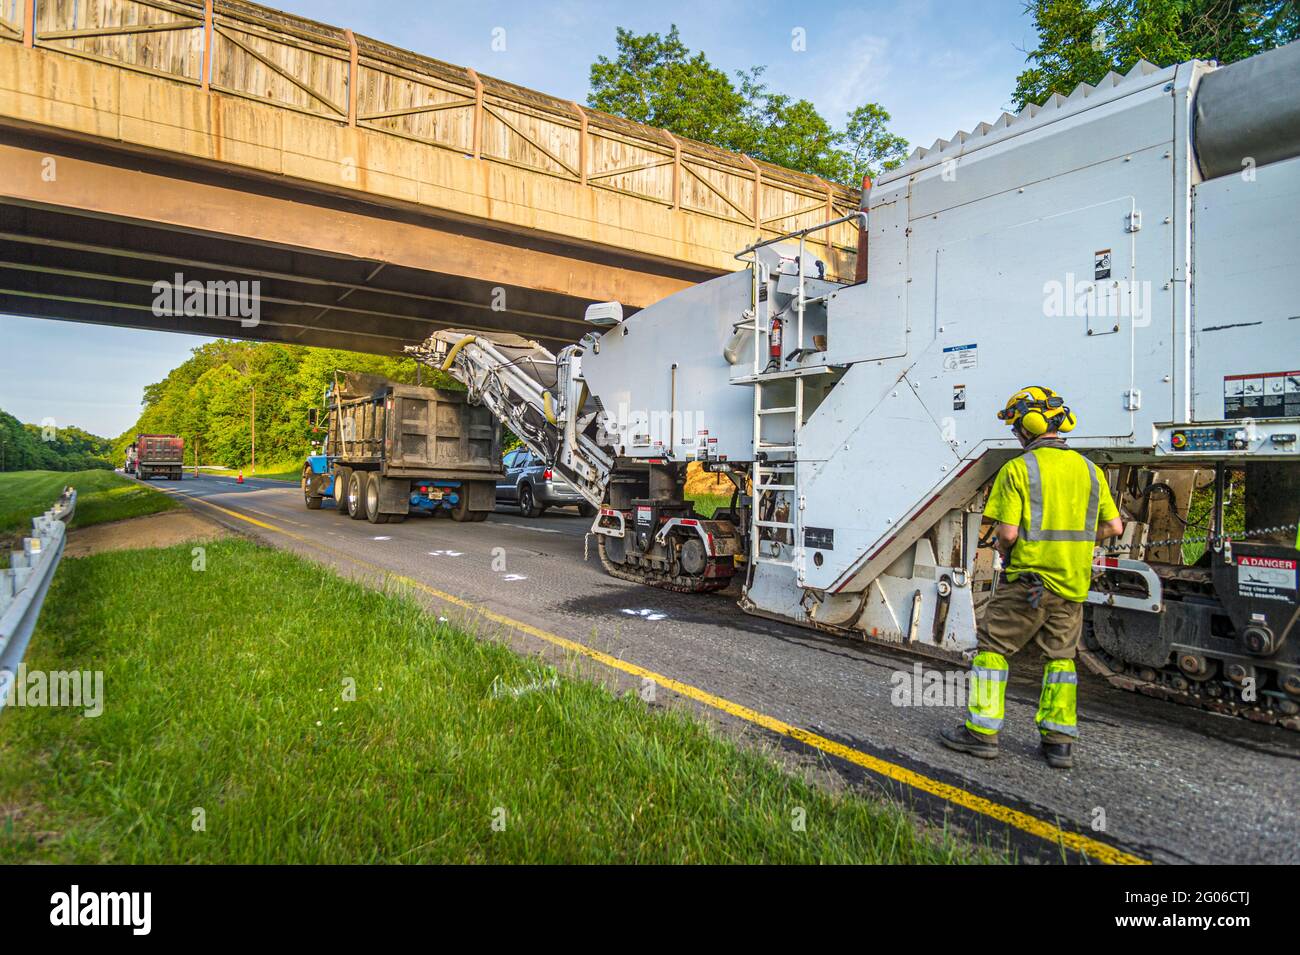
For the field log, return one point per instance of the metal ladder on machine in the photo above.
(775, 476)
(783, 475)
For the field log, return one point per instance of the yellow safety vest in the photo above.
(1056, 497)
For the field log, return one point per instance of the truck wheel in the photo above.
(312, 501)
(357, 495)
(341, 478)
(373, 484)
(528, 505)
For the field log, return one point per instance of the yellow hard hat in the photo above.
(1036, 410)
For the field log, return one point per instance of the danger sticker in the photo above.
(1268, 578)
(958, 397)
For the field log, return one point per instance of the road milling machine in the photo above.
(1135, 246)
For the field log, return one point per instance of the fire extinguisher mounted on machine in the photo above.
(774, 344)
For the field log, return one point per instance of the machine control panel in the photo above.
(1275, 438)
(1209, 439)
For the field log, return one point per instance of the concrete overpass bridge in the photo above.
(374, 194)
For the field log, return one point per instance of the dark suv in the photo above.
(532, 485)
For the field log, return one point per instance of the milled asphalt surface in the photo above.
(1174, 784)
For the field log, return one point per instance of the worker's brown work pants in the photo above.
(1022, 610)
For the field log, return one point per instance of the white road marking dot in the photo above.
(514, 577)
(646, 613)
(381, 538)
(445, 553)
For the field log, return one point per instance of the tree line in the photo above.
(34, 447)
(209, 399)
(656, 79)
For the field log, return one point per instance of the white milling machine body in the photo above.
(1134, 246)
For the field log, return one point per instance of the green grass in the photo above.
(223, 691)
(279, 471)
(1200, 514)
(101, 496)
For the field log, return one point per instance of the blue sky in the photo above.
(936, 65)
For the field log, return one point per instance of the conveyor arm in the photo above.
(539, 396)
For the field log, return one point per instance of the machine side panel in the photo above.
(1246, 324)
(633, 375)
(1060, 283)
(869, 321)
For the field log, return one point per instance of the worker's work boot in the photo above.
(1058, 755)
(964, 741)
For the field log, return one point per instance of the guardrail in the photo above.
(24, 584)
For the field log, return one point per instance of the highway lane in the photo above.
(1162, 782)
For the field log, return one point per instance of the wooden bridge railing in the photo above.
(246, 50)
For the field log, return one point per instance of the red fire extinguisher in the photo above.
(774, 340)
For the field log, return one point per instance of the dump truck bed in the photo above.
(410, 431)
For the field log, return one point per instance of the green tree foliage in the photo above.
(655, 79)
(208, 399)
(1080, 41)
(29, 447)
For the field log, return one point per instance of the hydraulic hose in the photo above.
(455, 350)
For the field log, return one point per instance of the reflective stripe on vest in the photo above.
(1034, 531)
(1062, 678)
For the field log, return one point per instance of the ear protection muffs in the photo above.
(1037, 414)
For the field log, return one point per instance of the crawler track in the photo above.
(679, 583)
(1163, 685)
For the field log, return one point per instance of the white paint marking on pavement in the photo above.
(514, 577)
(647, 613)
(445, 553)
(530, 527)
(381, 538)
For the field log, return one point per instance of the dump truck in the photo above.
(156, 455)
(392, 449)
(1134, 245)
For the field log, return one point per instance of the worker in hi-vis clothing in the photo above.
(1051, 506)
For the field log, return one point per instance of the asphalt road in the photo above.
(1162, 782)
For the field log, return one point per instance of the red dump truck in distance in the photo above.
(159, 455)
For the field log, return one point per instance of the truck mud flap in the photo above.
(481, 495)
(394, 495)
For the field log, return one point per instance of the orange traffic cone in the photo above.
(240, 479)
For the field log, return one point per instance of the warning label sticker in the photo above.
(1101, 264)
(960, 357)
(1272, 394)
(1268, 578)
(958, 397)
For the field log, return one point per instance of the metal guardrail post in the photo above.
(24, 584)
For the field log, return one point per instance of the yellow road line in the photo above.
(1032, 825)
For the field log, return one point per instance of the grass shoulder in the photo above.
(305, 718)
(101, 496)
